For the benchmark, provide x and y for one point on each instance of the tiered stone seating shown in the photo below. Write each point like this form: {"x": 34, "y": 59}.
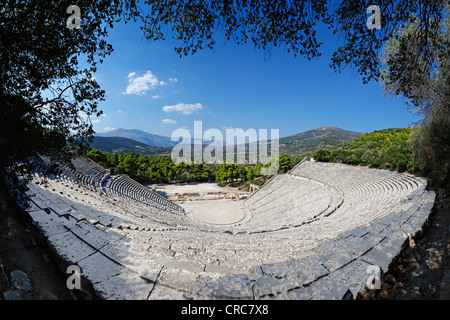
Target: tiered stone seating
{"x": 368, "y": 193}
{"x": 85, "y": 189}
{"x": 308, "y": 234}
{"x": 124, "y": 188}
{"x": 288, "y": 201}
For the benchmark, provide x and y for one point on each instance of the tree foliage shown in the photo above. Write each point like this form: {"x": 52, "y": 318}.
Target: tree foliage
{"x": 146, "y": 169}
{"x": 292, "y": 25}
{"x": 47, "y": 90}
{"x": 285, "y": 162}
{"x": 421, "y": 79}
{"x": 264, "y": 23}
{"x": 362, "y": 45}
{"x": 421, "y": 76}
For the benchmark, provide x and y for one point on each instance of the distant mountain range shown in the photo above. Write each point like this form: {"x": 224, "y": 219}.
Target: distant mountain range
{"x": 133, "y": 140}
{"x": 140, "y": 136}
{"x": 125, "y": 145}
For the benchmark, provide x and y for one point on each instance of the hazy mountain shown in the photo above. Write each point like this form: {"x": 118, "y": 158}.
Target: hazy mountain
{"x": 140, "y": 136}
{"x": 125, "y": 145}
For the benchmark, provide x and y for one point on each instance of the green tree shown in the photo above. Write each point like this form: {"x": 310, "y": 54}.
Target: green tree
{"x": 431, "y": 152}
{"x": 366, "y": 157}
{"x": 242, "y": 173}
{"x": 257, "y": 169}
{"x": 285, "y": 162}
{"x": 97, "y": 156}
{"x": 128, "y": 166}
{"x": 250, "y": 174}
{"x": 322, "y": 155}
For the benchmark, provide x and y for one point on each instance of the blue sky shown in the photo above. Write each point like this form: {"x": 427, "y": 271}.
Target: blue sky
{"x": 149, "y": 87}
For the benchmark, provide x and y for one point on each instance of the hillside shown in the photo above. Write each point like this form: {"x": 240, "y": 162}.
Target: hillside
{"x": 125, "y": 145}
{"x": 315, "y": 139}
{"x": 383, "y": 149}
{"x": 140, "y": 136}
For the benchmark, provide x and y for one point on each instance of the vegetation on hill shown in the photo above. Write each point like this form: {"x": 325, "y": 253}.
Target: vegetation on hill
{"x": 140, "y": 136}
{"x": 316, "y": 139}
{"x": 125, "y": 145}
{"x": 383, "y": 149}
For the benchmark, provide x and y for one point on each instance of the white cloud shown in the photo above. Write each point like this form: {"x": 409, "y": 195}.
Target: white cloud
{"x": 104, "y": 115}
{"x": 183, "y": 108}
{"x": 142, "y": 84}
{"x": 173, "y": 79}
{"x": 168, "y": 121}
{"x": 120, "y": 111}
{"x": 95, "y": 121}
{"x": 156, "y": 96}
{"x": 109, "y": 129}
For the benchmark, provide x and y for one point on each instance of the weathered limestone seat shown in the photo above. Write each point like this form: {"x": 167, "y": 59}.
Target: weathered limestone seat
{"x": 309, "y": 234}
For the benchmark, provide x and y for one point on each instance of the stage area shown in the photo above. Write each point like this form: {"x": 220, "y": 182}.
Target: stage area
{"x": 215, "y": 211}
{"x": 206, "y": 202}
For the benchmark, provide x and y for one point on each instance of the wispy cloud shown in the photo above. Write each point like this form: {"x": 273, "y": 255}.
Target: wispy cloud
{"x": 156, "y": 96}
{"x": 173, "y": 79}
{"x": 184, "y": 108}
{"x": 168, "y": 121}
{"x": 85, "y": 117}
{"x": 109, "y": 129}
{"x": 140, "y": 85}
{"x": 120, "y": 111}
